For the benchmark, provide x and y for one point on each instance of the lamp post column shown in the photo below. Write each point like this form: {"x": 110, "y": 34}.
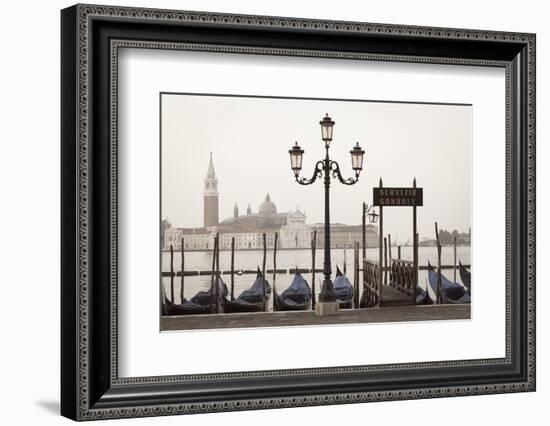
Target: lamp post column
{"x": 327, "y": 290}
{"x": 364, "y": 231}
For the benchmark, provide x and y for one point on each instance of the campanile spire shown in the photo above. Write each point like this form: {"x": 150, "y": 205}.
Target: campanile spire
{"x": 211, "y": 216}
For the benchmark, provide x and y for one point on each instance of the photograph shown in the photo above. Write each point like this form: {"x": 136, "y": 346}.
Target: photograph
{"x": 279, "y": 211}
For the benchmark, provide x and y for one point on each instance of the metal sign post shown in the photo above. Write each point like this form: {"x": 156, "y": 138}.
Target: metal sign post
{"x": 397, "y": 197}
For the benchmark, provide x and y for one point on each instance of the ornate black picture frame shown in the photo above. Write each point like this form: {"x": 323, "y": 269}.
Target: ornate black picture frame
{"x": 90, "y": 38}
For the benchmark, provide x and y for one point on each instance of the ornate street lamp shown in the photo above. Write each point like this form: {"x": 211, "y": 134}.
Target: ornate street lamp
{"x": 373, "y": 218}
{"x": 370, "y": 212}
{"x": 296, "y": 154}
{"x": 327, "y": 126}
{"x": 357, "y": 154}
{"x": 326, "y": 168}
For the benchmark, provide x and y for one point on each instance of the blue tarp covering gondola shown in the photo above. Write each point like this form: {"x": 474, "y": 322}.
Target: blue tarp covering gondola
{"x": 343, "y": 290}
{"x": 450, "y": 292}
{"x": 205, "y": 297}
{"x": 465, "y": 275}
{"x": 255, "y": 293}
{"x": 252, "y": 299}
{"x": 297, "y": 297}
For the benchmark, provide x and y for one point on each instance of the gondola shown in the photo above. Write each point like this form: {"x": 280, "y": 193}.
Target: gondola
{"x": 422, "y": 296}
{"x": 186, "y": 308}
{"x": 465, "y": 299}
{"x": 297, "y": 297}
{"x": 343, "y": 289}
{"x": 465, "y": 275}
{"x": 251, "y": 300}
{"x": 204, "y": 297}
{"x": 450, "y": 292}
{"x": 201, "y": 303}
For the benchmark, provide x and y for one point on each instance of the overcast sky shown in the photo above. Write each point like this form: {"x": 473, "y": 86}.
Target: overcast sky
{"x": 250, "y": 139}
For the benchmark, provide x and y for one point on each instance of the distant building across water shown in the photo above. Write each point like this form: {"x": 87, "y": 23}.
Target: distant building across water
{"x": 345, "y": 235}
{"x": 248, "y": 229}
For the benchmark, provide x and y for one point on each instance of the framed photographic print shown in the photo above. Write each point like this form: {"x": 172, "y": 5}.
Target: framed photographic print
{"x": 263, "y": 212}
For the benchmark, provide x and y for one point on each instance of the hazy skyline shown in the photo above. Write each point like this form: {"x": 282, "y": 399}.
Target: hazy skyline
{"x": 250, "y": 139}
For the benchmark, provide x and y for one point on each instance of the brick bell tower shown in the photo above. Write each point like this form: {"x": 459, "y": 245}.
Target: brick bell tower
{"x": 211, "y": 217}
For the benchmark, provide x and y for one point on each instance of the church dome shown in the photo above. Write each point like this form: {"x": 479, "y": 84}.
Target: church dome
{"x": 268, "y": 207}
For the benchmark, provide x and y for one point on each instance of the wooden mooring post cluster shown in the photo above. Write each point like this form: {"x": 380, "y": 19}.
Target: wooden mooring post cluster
{"x": 369, "y": 295}
{"x": 215, "y": 272}
{"x": 440, "y": 266}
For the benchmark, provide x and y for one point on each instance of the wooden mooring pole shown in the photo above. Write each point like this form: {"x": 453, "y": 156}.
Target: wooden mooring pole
{"x": 232, "y": 268}
{"x": 385, "y": 261}
{"x": 364, "y": 239}
{"x": 416, "y": 267}
{"x": 218, "y": 275}
{"x": 415, "y": 242}
{"x": 454, "y": 263}
{"x": 182, "y": 286}
{"x": 358, "y": 267}
{"x": 263, "y": 272}
{"x": 389, "y": 257}
{"x": 438, "y": 286}
{"x": 212, "y": 276}
{"x": 380, "y": 248}
{"x": 345, "y": 259}
{"x": 313, "y": 251}
{"x": 275, "y": 262}
{"x": 364, "y": 230}
{"x": 354, "y": 272}
{"x": 171, "y": 273}
{"x": 273, "y": 288}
